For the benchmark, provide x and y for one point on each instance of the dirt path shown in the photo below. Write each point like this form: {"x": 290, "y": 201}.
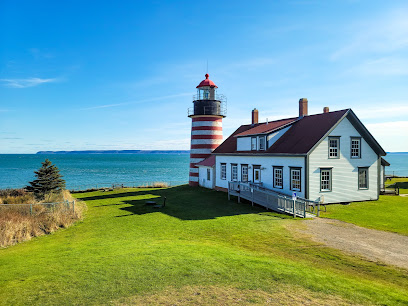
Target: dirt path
{"x": 389, "y": 248}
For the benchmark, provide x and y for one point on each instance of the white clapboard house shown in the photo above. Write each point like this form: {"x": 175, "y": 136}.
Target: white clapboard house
{"x": 329, "y": 157}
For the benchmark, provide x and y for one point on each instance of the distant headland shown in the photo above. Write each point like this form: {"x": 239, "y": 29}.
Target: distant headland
{"x": 117, "y": 152}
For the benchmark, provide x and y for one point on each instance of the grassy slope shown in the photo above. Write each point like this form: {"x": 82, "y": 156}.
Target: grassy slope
{"x": 124, "y": 249}
{"x": 389, "y": 213}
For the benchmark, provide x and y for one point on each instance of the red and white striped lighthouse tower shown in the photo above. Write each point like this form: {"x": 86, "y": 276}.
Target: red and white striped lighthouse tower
{"x": 206, "y": 129}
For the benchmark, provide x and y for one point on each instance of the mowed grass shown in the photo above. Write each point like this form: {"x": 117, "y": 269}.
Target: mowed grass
{"x": 389, "y": 213}
{"x": 200, "y": 248}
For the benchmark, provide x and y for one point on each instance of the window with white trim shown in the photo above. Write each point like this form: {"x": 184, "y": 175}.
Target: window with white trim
{"x": 253, "y": 144}
{"x": 244, "y": 173}
{"x": 363, "y": 178}
{"x": 262, "y": 143}
{"x": 223, "y": 171}
{"x": 295, "y": 179}
{"x": 234, "y": 172}
{"x": 334, "y": 146}
{"x": 355, "y": 147}
{"x": 278, "y": 177}
{"x": 208, "y": 174}
{"x": 325, "y": 179}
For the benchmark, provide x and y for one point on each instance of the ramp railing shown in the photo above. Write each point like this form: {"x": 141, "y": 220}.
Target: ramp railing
{"x": 270, "y": 199}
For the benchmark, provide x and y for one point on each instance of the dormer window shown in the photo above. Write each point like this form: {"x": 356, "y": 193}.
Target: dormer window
{"x": 334, "y": 147}
{"x": 262, "y": 143}
{"x": 253, "y": 144}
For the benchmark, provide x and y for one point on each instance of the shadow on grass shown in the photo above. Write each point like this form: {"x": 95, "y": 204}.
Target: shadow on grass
{"x": 183, "y": 202}
{"x": 402, "y": 185}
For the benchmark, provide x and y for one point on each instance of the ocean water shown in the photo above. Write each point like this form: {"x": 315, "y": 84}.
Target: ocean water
{"x": 82, "y": 171}
{"x": 399, "y": 164}
{"x": 89, "y": 170}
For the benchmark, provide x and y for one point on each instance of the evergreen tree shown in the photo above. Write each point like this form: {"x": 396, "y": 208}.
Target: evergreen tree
{"x": 48, "y": 180}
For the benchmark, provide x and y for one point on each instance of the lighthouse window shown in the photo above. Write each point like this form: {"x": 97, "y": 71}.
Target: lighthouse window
{"x": 208, "y": 175}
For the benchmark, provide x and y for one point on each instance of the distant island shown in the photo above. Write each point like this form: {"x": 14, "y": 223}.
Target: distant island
{"x": 117, "y": 152}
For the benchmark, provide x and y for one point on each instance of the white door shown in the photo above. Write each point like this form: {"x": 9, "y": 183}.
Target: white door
{"x": 257, "y": 174}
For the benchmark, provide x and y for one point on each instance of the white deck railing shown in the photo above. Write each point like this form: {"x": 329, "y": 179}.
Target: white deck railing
{"x": 273, "y": 200}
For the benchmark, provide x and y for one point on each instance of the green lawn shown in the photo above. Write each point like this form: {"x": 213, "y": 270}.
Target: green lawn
{"x": 125, "y": 251}
{"x": 389, "y": 213}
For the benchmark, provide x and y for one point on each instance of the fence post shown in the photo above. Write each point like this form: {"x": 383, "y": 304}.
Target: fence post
{"x": 252, "y": 190}
{"x": 31, "y": 209}
{"x": 73, "y": 205}
{"x": 318, "y": 209}
{"x": 239, "y": 193}
{"x": 294, "y": 213}
{"x": 229, "y": 186}
{"x": 304, "y": 209}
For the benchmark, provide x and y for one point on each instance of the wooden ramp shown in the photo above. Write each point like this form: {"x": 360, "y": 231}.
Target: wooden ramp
{"x": 273, "y": 200}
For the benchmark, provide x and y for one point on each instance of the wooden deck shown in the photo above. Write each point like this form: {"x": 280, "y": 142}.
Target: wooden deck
{"x": 273, "y": 200}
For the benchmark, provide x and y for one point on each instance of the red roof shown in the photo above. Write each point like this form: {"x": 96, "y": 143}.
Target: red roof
{"x": 263, "y": 128}
{"x": 299, "y": 139}
{"x": 207, "y": 82}
{"x": 208, "y": 162}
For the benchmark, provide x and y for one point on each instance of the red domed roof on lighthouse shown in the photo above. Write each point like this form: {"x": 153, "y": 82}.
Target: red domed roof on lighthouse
{"x": 207, "y": 82}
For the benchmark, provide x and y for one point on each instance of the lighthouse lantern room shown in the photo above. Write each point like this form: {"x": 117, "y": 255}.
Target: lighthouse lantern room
{"x": 206, "y": 128}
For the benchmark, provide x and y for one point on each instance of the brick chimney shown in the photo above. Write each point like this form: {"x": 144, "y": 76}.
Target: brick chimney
{"x": 302, "y": 107}
{"x": 325, "y": 109}
{"x": 255, "y": 116}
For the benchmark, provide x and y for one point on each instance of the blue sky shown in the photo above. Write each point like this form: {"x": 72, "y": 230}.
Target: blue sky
{"x": 84, "y": 75}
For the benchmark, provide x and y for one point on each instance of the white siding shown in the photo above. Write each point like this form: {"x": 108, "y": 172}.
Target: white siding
{"x": 243, "y": 143}
{"x": 382, "y": 175}
{"x": 344, "y": 169}
{"x": 272, "y": 138}
{"x": 266, "y": 163}
{"x": 202, "y": 178}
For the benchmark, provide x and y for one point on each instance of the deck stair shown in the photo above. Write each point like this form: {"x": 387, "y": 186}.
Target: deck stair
{"x": 273, "y": 200}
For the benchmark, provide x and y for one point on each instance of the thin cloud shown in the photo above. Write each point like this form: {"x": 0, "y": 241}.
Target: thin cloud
{"x": 386, "y": 66}
{"x": 28, "y": 82}
{"x": 137, "y": 102}
{"x": 391, "y": 111}
{"x": 391, "y": 135}
{"x": 377, "y": 35}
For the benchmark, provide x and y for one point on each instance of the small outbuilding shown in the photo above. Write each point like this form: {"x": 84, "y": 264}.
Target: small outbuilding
{"x": 206, "y": 171}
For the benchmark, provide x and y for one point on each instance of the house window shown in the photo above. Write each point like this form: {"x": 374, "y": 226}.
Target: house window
{"x": 334, "y": 147}
{"x": 295, "y": 179}
{"x": 363, "y": 178}
{"x": 244, "y": 173}
{"x": 208, "y": 174}
{"x": 253, "y": 143}
{"x": 262, "y": 143}
{"x": 257, "y": 174}
{"x": 234, "y": 172}
{"x": 325, "y": 179}
{"x": 223, "y": 171}
{"x": 355, "y": 147}
{"x": 278, "y": 177}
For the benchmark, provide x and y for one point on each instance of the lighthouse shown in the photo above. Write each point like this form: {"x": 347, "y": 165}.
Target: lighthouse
{"x": 206, "y": 128}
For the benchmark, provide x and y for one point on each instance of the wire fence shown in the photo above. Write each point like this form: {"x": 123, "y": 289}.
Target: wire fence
{"x": 38, "y": 208}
